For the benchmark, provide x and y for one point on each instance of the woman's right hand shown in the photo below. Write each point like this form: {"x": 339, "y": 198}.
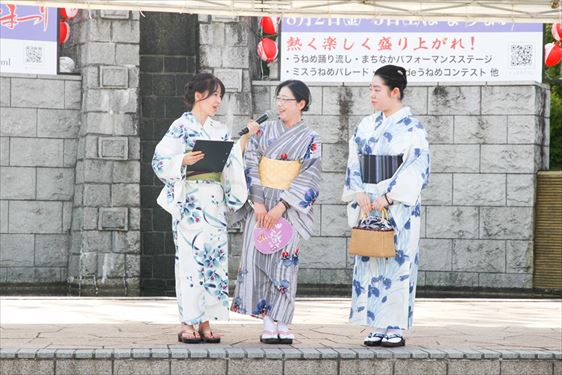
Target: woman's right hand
{"x": 364, "y": 202}
{"x": 260, "y": 211}
{"x": 192, "y": 157}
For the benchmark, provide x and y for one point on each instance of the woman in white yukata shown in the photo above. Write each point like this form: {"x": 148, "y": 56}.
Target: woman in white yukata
{"x": 383, "y": 289}
{"x": 198, "y": 204}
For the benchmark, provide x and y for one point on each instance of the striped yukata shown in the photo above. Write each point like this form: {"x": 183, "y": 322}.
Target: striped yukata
{"x": 267, "y": 284}
{"x": 384, "y": 289}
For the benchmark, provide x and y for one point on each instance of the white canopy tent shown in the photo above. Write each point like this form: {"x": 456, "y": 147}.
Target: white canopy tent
{"x": 536, "y": 11}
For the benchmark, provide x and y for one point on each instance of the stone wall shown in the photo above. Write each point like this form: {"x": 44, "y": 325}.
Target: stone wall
{"x": 39, "y": 125}
{"x": 487, "y": 142}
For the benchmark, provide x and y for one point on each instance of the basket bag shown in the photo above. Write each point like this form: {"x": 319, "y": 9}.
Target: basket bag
{"x": 373, "y": 237}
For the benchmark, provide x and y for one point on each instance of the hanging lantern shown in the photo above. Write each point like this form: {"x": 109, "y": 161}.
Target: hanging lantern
{"x": 557, "y": 31}
{"x": 552, "y": 54}
{"x": 269, "y": 25}
{"x": 64, "y": 32}
{"x": 267, "y": 50}
{"x": 68, "y": 13}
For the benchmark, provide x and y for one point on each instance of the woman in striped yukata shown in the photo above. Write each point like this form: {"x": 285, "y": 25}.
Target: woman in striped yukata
{"x": 388, "y": 167}
{"x": 266, "y": 284}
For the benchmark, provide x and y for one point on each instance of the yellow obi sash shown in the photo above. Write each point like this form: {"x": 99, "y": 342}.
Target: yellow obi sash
{"x": 211, "y": 176}
{"x": 278, "y": 174}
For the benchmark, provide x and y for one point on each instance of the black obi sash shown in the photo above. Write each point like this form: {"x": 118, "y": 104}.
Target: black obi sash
{"x": 375, "y": 168}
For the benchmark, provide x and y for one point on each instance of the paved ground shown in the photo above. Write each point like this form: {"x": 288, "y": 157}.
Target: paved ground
{"x": 464, "y": 324}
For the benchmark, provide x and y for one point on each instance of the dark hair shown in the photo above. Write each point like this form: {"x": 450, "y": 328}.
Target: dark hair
{"x": 393, "y": 76}
{"x": 299, "y": 89}
{"x": 201, "y": 83}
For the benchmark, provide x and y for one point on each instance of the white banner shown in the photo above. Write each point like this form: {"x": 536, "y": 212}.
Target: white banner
{"x": 344, "y": 50}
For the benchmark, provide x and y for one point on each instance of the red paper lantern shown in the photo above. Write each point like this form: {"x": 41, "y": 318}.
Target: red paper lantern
{"x": 267, "y": 50}
{"x": 64, "y": 32}
{"x": 68, "y": 13}
{"x": 557, "y": 31}
{"x": 552, "y": 54}
{"x": 269, "y": 25}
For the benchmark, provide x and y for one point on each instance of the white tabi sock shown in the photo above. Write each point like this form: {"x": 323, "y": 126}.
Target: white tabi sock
{"x": 269, "y": 324}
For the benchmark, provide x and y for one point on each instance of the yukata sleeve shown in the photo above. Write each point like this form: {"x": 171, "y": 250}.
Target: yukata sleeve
{"x": 168, "y": 155}
{"x": 305, "y": 188}
{"x": 353, "y": 183}
{"x": 252, "y": 158}
{"x": 233, "y": 179}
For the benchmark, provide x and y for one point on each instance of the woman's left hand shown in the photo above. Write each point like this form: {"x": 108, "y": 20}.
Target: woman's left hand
{"x": 380, "y": 203}
{"x": 273, "y": 215}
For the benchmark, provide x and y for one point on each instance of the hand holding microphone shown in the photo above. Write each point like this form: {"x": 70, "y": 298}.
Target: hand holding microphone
{"x": 252, "y": 124}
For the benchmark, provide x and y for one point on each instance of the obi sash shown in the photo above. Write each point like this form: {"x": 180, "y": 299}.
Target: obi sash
{"x": 376, "y": 168}
{"x": 278, "y": 174}
{"x": 204, "y": 176}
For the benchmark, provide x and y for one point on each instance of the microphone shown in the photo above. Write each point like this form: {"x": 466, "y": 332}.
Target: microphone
{"x": 259, "y": 120}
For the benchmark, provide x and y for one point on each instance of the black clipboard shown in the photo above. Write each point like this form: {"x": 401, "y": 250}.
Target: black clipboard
{"x": 216, "y": 155}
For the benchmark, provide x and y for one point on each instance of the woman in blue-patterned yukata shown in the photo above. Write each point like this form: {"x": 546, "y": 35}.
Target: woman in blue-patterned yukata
{"x": 383, "y": 289}
{"x": 283, "y": 174}
{"x": 198, "y": 203}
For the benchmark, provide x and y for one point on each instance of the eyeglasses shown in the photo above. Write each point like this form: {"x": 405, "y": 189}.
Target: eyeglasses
{"x": 283, "y": 100}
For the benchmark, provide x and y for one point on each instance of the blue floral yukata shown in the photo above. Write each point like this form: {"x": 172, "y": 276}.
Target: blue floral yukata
{"x": 199, "y": 225}
{"x": 384, "y": 289}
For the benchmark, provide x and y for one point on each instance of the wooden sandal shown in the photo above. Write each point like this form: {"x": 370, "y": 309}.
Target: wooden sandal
{"x": 209, "y": 337}
{"x": 189, "y": 336}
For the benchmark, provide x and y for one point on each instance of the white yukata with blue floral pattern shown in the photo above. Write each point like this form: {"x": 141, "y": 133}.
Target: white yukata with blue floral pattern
{"x": 199, "y": 225}
{"x": 384, "y": 289}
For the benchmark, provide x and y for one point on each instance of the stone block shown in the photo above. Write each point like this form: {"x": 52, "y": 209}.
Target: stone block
{"x": 126, "y": 171}
{"x": 114, "y": 76}
{"x": 334, "y": 157}
{"x": 439, "y": 191}
{"x": 254, "y": 366}
{"x": 98, "y": 53}
{"x": 72, "y": 94}
{"x": 416, "y": 99}
{"x": 114, "y": 14}
{"x": 452, "y": 222}
{"x": 125, "y": 32}
{"x": 435, "y": 255}
{"x": 480, "y": 129}
{"x": 111, "y": 123}
{"x": 505, "y": 280}
{"x": 97, "y": 171}
{"x": 27, "y": 366}
{"x": 232, "y": 79}
{"x": 126, "y": 242}
{"x": 332, "y": 129}
{"x": 479, "y": 256}
{"x": 212, "y": 34}
{"x": 83, "y": 366}
{"x": 198, "y": 366}
{"x": 439, "y": 128}
{"x": 331, "y": 188}
{"x": 345, "y": 101}
{"x": 479, "y": 189}
{"x": 311, "y": 366}
{"x": 97, "y": 195}
{"x": 70, "y": 152}
{"x": 110, "y": 266}
{"x": 323, "y": 252}
{"x": 66, "y": 215}
{"x": 211, "y": 57}
{"x": 18, "y": 122}
{"x": 17, "y": 183}
{"x": 55, "y": 183}
{"x": 48, "y": 274}
{"x": 56, "y": 123}
{"x": 35, "y": 217}
{"x": 21, "y": 274}
{"x": 513, "y": 367}
{"x": 115, "y": 100}
{"x": 127, "y": 54}
{"x": 309, "y": 276}
{"x": 36, "y": 152}
{"x": 95, "y": 30}
{"x": 337, "y": 277}
{"x": 508, "y": 159}
{"x": 31, "y": 93}
{"x": 519, "y": 256}
{"x": 133, "y": 264}
{"x": 420, "y": 366}
{"x": 462, "y": 367}
{"x": 3, "y": 216}
{"x": 455, "y": 158}
{"x": 454, "y": 100}
{"x": 520, "y": 189}
{"x": 236, "y": 34}
{"x": 134, "y": 149}
{"x": 334, "y": 221}
{"x": 175, "y": 64}
{"x": 115, "y": 148}
{"x": 5, "y": 91}
{"x": 525, "y": 130}
{"x": 225, "y": 18}
{"x": 51, "y": 250}
{"x": 125, "y": 195}
{"x": 515, "y": 100}
{"x": 17, "y": 250}
{"x": 4, "y": 151}
{"x": 509, "y": 223}
{"x": 113, "y": 218}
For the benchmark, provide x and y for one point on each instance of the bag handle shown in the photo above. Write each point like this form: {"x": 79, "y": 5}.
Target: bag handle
{"x": 384, "y": 215}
